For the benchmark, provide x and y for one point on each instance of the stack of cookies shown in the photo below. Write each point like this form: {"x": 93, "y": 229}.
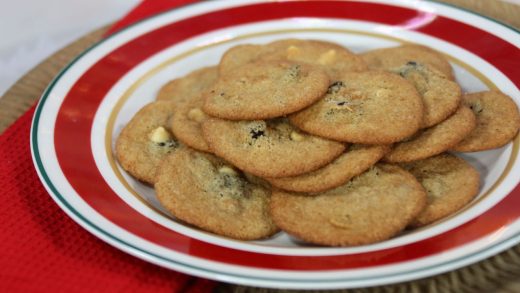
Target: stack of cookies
{"x": 304, "y": 136}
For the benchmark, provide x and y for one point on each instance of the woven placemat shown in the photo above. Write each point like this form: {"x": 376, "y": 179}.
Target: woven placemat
{"x": 500, "y": 273}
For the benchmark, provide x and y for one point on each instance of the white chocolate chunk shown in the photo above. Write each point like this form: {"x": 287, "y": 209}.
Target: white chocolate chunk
{"x": 292, "y": 52}
{"x": 227, "y": 170}
{"x": 381, "y": 93}
{"x": 296, "y": 136}
{"x": 196, "y": 115}
{"x": 160, "y": 135}
{"x": 327, "y": 58}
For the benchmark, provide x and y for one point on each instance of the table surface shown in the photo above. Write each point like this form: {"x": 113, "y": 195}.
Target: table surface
{"x": 18, "y": 98}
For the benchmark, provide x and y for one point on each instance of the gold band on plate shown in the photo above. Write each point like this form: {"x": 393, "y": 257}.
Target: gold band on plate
{"x": 147, "y": 75}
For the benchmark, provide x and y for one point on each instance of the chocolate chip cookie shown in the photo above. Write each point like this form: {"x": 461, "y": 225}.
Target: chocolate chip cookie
{"x": 272, "y": 148}
{"x": 498, "y": 121}
{"x": 209, "y": 193}
{"x": 146, "y": 140}
{"x": 264, "y": 90}
{"x": 371, "y": 107}
{"x": 372, "y": 207}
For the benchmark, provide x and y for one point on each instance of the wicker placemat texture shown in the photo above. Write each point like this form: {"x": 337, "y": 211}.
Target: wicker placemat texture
{"x": 500, "y": 273}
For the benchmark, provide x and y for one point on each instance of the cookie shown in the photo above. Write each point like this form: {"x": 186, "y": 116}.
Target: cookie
{"x": 265, "y": 90}
{"x": 207, "y": 192}
{"x": 372, "y": 107}
{"x": 193, "y": 84}
{"x": 272, "y": 148}
{"x": 240, "y": 55}
{"x": 498, "y": 121}
{"x": 441, "y": 96}
{"x": 450, "y": 183}
{"x": 186, "y": 123}
{"x": 388, "y": 58}
{"x": 146, "y": 140}
{"x": 372, "y": 207}
{"x": 331, "y": 57}
{"x": 434, "y": 140}
{"x": 353, "y": 162}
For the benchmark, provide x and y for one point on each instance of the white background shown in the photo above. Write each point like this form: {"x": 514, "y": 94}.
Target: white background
{"x": 31, "y": 30}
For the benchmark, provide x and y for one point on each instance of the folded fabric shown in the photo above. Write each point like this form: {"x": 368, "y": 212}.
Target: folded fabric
{"x": 43, "y": 250}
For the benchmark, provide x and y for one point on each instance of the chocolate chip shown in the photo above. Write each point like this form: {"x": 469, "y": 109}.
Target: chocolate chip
{"x": 335, "y": 87}
{"x": 341, "y": 103}
{"x": 412, "y": 63}
{"x": 477, "y": 109}
{"x": 256, "y": 133}
{"x": 294, "y": 71}
{"x": 170, "y": 144}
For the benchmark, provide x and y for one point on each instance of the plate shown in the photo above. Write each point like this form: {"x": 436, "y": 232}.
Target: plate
{"x": 88, "y": 103}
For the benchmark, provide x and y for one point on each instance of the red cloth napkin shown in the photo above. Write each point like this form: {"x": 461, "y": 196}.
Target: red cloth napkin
{"x": 43, "y": 250}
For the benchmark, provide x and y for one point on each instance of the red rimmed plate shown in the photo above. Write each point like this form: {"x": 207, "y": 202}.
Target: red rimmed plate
{"x": 86, "y": 106}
